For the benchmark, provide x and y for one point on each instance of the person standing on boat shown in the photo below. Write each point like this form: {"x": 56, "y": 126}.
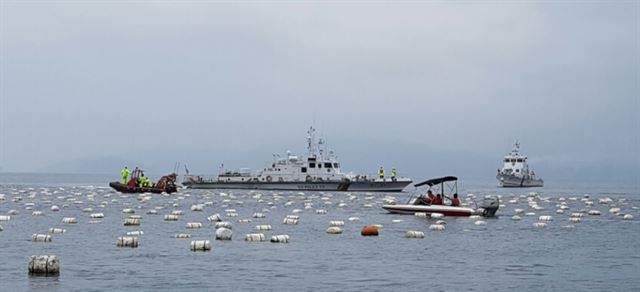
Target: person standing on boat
{"x": 125, "y": 175}
{"x": 381, "y": 173}
{"x": 394, "y": 174}
{"x": 430, "y": 198}
{"x": 455, "y": 202}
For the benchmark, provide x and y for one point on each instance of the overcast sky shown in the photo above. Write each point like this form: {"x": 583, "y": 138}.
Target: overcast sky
{"x": 428, "y": 87}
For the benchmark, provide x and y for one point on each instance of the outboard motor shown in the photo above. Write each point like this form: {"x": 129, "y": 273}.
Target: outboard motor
{"x": 489, "y": 207}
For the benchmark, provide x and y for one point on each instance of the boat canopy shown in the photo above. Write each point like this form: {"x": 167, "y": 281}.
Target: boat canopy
{"x": 436, "y": 181}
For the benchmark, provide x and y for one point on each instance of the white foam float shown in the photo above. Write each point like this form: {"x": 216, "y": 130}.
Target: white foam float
{"x": 441, "y": 222}
{"x": 545, "y": 218}
{"x": 420, "y": 214}
{"x": 436, "y": 215}
{"x": 127, "y": 241}
{"x": 283, "y": 238}
{"x": 12, "y": 212}
{"x": 263, "y": 227}
{"x": 96, "y": 215}
{"x": 55, "y": 208}
{"x": 321, "y": 211}
{"x": 575, "y": 219}
{"x": 516, "y": 218}
{"x": 194, "y": 225}
{"x": 258, "y": 215}
{"x": 223, "y": 224}
{"x": 518, "y": 211}
{"x": 530, "y": 214}
{"x": 171, "y": 217}
{"x": 559, "y": 211}
{"x": 183, "y": 235}
{"x": 135, "y": 233}
{"x": 614, "y": 210}
{"x": 128, "y": 211}
{"x": 255, "y": 237}
{"x": 44, "y": 265}
{"x": 475, "y": 217}
{"x": 594, "y": 212}
{"x": 200, "y": 245}
{"x": 414, "y": 234}
{"x": 87, "y": 210}
{"x": 540, "y": 225}
{"x": 437, "y": 227}
{"x": 41, "y": 238}
{"x": 57, "y": 230}
{"x": 5, "y": 218}
{"x": 131, "y": 222}
{"x": 480, "y": 222}
{"x": 244, "y": 221}
{"x": 627, "y": 217}
{"x": 152, "y": 212}
{"x": 197, "y": 207}
{"x": 354, "y": 219}
{"x": 336, "y": 223}
{"x": 69, "y": 220}
{"x": 334, "y": 230}
{"x": 290, "y": 221}
{"x": 232, "y": 215}
{"x": 223, "y": 234}
{"x": 36, "y": 213}
{"x": 214, "y": 218}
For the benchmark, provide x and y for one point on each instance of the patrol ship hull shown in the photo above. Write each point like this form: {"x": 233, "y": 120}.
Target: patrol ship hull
{"x": 512, "y": 181}
{"x": 345, "y": 186}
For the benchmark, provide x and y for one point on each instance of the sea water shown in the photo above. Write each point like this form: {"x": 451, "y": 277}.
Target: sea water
{"x": 599, "y": 253}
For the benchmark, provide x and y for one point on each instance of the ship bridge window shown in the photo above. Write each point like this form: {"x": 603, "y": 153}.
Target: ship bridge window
{"x": 304, "y": 169}
{"x": 327, "y": 165}
{"x": 319, "y": 165}
{"x": 312, "y": 165}
{"x": 506, "y": 160}
{"x": 517, "y": 170}
{"x": 513, "y": 160}
{"x": 336, "y": 165}
{"x": 519, "y": 159}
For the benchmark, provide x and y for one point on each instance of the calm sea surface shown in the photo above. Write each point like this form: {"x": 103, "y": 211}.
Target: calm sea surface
{"x": 601, "y": 253}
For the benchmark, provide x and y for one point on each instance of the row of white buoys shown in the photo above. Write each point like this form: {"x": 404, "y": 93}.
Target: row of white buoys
{"x": 255, "y": 237}
{"x": 223, "y": 233}
{"x": 41, "y": 238}
{"x": 47, "y": 265}
{"x": 127, "y": 241}
{"x": 414, "y": 234}
{"x": 200, "y": 245}
{"x": 280, "y": 238}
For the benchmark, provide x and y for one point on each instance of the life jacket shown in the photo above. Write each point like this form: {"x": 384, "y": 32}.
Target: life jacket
{"x": 455, "y": 202}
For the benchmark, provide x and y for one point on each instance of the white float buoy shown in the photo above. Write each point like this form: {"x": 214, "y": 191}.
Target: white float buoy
{"x": 127, "y": 241}
{"x": 171, "y": 217}
{"x": 57, "y": 230}
{"x": 614, "y": 210}
{"x": 196, "y": 207}
{"x": 594, "y": 212}
{"x": 223, "y": 224}
{"x": 575, "y": 219}
{"x": 480, "y": 222}
{"x": 321, "y": 211}
{"x": 69, "y": 220}
{"x": 540, "y": 225}
{"x": 420, "y": 214}
{"x": 334, "y": 230}
{"x": 41, "y": 238}
{"x": 194, "y": 225}
{"x": 280, "y": 238}
{"x": 55, "y": 208}
{"x": 44, "y": 265}
{"x": 200, "y": 245}
{"x": 183, "y": 235}
{"x": 414, "y": 234}
{"x": 258, "y": 215}
{"x": 214, "y": 218}
{"x": 131, "y": 222}
{"x": 152, "y": 212}
{"x": 354, "y": 219}
{"x": 290, "y": 221}
{"x": 128, "y": 211}
{"x": 515, "y": 218}
{"x": 436, "y": 215}
{"x": 263, "y": 227}
{"x": 136, "y": 233}
{"x": 96, "y": 215}
{"x": 437, "y": 227}
{"x": 5, "y": 218}
{"x": 627, "y": 217}
{"x": 255, "y": 237}
{"x": 336, "y": 223}
{"x": 223, "y": 233}
{"x": 545, "y": 218}
{"x": 518, "y": 211}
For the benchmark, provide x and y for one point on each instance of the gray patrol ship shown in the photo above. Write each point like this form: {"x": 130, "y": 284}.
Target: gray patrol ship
{"x": 318, "y": 170}
{"x": 515, "y": 172}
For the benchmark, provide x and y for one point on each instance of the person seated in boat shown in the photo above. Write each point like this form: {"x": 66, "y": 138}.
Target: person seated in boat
{"x": 455, "y": 202}
{"x": 429, "y": 198}
{"x": 437, "y": 200}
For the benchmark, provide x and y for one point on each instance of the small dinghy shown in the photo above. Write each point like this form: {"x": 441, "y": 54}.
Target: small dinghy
{"x": 429, "y": 205}
{"x": 166, "y": 184}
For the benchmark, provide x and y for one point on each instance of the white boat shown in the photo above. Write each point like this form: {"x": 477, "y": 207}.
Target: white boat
{"x": 515, "y": 171}
{"x": 421, "y": 204}
{"x": 318, "y": 170}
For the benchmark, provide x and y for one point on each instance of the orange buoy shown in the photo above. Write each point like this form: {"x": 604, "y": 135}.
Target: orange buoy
{"x": 369, "y": 231}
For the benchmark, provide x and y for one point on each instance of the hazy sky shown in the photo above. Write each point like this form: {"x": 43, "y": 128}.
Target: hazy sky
{"x": 429, "y": 87}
